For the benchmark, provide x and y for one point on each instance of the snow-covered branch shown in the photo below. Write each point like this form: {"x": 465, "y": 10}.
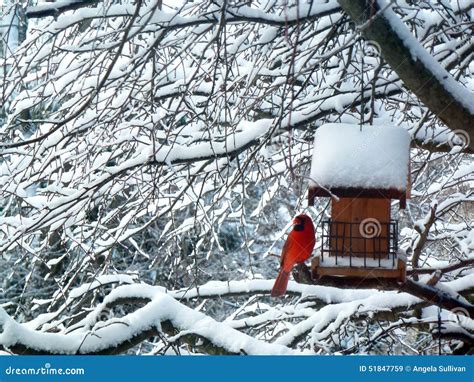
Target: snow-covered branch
{"x": 57, "y": 7}
{"x": 91, "y": 336}
{"x": 158, "y": 313}
{"x": 423, "y": 75}
{"x": 169, "y": 143}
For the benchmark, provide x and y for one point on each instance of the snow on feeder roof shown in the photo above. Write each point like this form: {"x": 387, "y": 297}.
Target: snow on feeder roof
{"x": 348, "y": 160}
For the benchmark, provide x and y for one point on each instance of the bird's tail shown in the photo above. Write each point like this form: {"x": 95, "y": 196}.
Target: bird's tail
{"x": 281, "y": 283}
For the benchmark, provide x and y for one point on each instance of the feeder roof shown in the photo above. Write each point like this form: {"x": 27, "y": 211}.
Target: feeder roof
{"x": 375, "y": 157}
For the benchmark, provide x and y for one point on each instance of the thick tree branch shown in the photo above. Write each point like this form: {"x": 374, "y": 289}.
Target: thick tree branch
{"x": 435, "y": 296}
{"x": 234, "y": 14}
{"x": 423, "y": 76}
{"x": 427, "y": 293}
{"x": 197, "y": 342}
{"x": 160, "y": 314}
{"x": 436, "y": 147}
{"x": 463, "y": 336}
{"x": 57, "y": 7}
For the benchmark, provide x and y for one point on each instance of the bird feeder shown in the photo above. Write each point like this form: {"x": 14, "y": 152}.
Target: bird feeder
{"x": 362, "y": 169}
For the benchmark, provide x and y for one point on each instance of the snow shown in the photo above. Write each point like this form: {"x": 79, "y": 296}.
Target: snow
{"x": 162, "y": 307}
{"x": 249, "y": 131}
{"x": 92, "y": 334}
{"x": 461, "y": 283}
{"x": 221, "y": 288}
{"x": 419, "y": 53}
{"x": 358, "y": 262}
{"x": 304, "y": 10}
{"x": 126, "y": 178}
{"x": 54, "y": 6}
{"x": 374, "y": 157}
{"x": 99, "y": 281}
{"x": 333, "y": 314}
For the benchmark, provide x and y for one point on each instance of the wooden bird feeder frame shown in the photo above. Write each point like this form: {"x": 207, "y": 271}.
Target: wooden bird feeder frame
{"x": 341, "y": 241}
{"x": 346, "y": 251}
{"x": 360, "y": 239}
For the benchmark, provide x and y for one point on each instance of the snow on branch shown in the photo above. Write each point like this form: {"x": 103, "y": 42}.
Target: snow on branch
{"x": 229, "y": 146}
{"x": 140, "y": 139}
{"x": 222, "y": 288}
{"x": 305, "y": 12}
{"x": 57, "y": 7}
{"x": 324, "y": 321}
{"x": 100, "y": 281}
{"x": 236, "y": 13}
{"x": 93, "y": 337}
{"x": 448, "y": 99}
{"x": 159, "y": 313}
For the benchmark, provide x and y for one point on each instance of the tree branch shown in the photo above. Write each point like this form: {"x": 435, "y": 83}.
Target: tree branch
{"x": 434, "y": 86}
{"x": 427, "y": 293}
{"x": 447, "y": 269}
{"x": 435, "y": 296}
{"x": 57, "y": 7}
{"x": 161, "y": 314}
{"x": 423, "y": 237}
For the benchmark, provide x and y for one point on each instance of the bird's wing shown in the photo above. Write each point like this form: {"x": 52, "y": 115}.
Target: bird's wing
{"x": 289, "y": 244}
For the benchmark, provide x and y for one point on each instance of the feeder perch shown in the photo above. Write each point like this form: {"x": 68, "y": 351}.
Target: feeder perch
{"x": 362, "y": 169}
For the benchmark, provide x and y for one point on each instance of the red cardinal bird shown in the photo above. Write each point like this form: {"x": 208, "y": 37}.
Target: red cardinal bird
{"x": 297, "y": 249}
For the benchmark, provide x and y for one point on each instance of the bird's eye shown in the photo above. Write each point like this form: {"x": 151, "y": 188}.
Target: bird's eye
{"x": 299, "y": 226}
